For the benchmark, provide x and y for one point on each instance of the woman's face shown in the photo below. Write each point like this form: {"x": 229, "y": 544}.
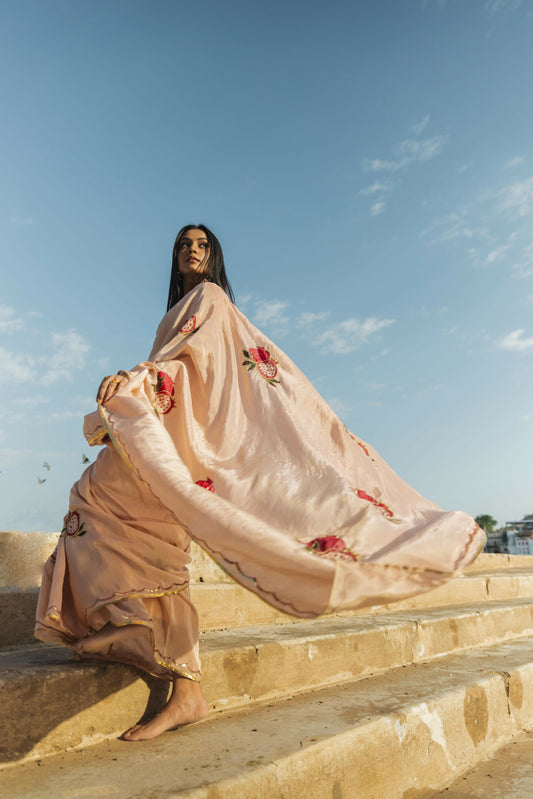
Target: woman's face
{"x": 193, "y": 252}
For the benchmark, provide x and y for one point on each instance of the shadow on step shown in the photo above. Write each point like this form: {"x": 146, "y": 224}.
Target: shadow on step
{"x": 50, "y": 704}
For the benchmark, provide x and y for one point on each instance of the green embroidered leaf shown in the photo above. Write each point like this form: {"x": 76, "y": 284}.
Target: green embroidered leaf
{"x": 81, "y": 533}
{"x": 246, "y": 354}
{"x": 251, "y": 366}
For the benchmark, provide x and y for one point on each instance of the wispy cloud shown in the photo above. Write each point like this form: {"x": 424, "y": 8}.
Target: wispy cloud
{"x": 408, "y": 152}
{"x": 9, "y": 322}
{"x": 350, "y": 334}
{"x": 309, "y": 319}
{"x": 70, "y": 350}
{"x": 419, "y": 127}
{"x": 464, "y": 167}
{"x": 14, "y": 368}
{"x": 378, "y": 186}
{"x": 515, "y": 341}
{"x": 272, "y": 315}
{"x": 405, "y": 153}
{"x": 496, "y": 6}
{"x": 517, "y": 198}
{"x": 495, "y": 254}
{"x": 514, "y": 162}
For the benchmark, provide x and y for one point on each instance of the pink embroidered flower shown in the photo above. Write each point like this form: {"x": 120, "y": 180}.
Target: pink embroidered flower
{"x": 72, "y": 525}
{"x": 164, "y": 393}
{"x": 189, "y": 326}
{"x": 330, "y": 545}
{"x": 381, "y": 505}
{"x": 259, "y": 358}
{"x": 207, "y": 484}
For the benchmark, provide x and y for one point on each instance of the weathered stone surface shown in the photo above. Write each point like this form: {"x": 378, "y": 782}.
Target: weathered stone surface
{"x": 402, "y": 734}
{"x": 68, "y": 703}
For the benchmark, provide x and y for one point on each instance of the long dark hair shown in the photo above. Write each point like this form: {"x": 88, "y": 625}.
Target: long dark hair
{"x": 215, "y": 271}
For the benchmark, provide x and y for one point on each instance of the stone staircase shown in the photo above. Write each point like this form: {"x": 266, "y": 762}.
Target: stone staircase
{"x": 393, "y": 702}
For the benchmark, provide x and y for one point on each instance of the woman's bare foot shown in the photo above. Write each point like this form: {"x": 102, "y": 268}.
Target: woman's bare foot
{"x": 104, "y": 638}
{"x": 186, "y": 705}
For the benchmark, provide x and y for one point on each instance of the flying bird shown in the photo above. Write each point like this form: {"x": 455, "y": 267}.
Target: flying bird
{"x": 41, "y": 481}
{"x": 46, "y": 466}
{"x": 84, "y": 458}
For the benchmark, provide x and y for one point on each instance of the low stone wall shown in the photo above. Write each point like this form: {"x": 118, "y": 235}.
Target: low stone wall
{"x": 22, "y": 556}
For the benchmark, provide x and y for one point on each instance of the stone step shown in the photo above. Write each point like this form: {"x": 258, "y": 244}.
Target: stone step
{"x": 67, "y": 704}
{"x": 406, "y": 733}
{"x": 222, "y": 605}
{"x": 507, "y": 774}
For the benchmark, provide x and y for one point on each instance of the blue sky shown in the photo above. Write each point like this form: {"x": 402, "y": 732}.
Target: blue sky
{"x": 368, "y": 168}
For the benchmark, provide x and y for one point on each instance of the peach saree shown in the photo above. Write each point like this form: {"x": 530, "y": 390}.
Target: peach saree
{"x": 219, "y": 437}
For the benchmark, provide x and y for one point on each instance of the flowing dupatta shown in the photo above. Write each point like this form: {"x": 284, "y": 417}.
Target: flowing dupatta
{"x": 232, "y": 439}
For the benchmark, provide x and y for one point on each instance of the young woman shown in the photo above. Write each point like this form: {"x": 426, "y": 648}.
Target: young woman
{"x": 219, "y": 437}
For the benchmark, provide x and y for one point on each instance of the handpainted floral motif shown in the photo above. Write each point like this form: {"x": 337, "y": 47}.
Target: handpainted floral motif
{"x": 386, "y": 511}
{"x": 164, "y": 393}
{"x": 72, "y": 527}
{"x": 189, "y": 326}
{"x": 259, "y": 358}
{"x": 207, "y": 484}
{"x": 332, "y": 546}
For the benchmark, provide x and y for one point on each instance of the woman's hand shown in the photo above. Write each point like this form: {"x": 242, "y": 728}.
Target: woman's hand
{"x": 110, "y": 385}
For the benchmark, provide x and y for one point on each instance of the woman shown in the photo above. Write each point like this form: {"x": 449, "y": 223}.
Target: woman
{"x": 219, "y": 437}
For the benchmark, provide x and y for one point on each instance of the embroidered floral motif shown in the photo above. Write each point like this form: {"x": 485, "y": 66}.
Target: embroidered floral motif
{"x": 259, "y": 358}
{"x": 164, "y": 393}
{"x": 332, "y": 546}
{"x": 72, "y": 527}
{"x": 189, "y": 326}
{"x": 386, "y": 511}
{"x": 358, "y": 442}
{"x": 207, "y": 484}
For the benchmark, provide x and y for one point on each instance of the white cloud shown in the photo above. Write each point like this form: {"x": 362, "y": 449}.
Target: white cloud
{"x": 495, "y": 254}
{"x": 377, "y": 186}
{"x": 494, "y": 6}
{"x": 69, "y": 356}
{"x": 308, "y": 318}
{"x": 378, "y": 165}
{"x": 515, "y": 341}
{"x": 419, "y": 127}
{"x": 424, "y": 150}
{"x": 8, "y": 321}
{"x": 350, "y": 334}
{"x": 464, "y": 167}
{"x": 377, "y": 208}
{"x": 14, "y": 368}
{"x": 517, "y": 198}
{"x": 271, "y": 315}
{"x": 514, "y": 162}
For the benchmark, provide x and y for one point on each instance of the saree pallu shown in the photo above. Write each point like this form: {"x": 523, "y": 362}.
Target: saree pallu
{"x": 219, "y": 437}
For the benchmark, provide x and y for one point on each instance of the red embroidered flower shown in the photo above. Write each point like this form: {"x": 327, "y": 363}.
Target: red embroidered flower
{"x": 360, "y": 443}
{"x": 381, "y": 505}
{"x": 208, "y": 484}
{"x": 259, "y": 358}
{"x": 363, "y": 447}
{"x": 330, "y": 545}
{"x": 72, "y": 525}
{"x": 189, "y": 326}
{"x": 164, "y": 393}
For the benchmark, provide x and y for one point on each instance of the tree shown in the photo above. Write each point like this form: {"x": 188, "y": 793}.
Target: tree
{"x": 486, "y": 522}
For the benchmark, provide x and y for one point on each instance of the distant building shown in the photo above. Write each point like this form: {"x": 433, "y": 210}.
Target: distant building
{"x": 514, "y": 538}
